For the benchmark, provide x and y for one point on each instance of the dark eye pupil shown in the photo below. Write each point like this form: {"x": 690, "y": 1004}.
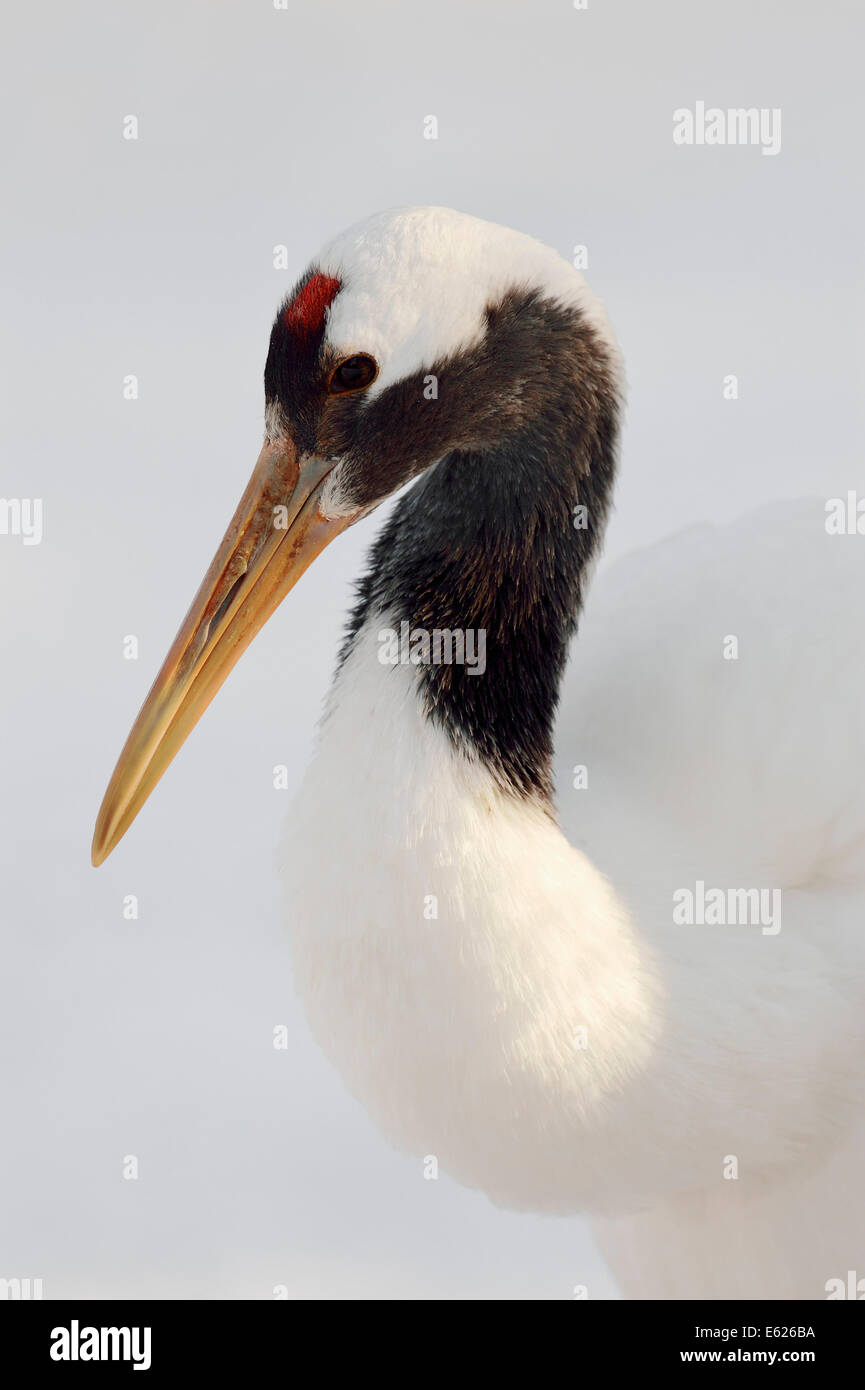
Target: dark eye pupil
{"x": 352, "y": 373}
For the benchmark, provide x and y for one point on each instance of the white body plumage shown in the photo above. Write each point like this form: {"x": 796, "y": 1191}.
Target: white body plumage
{"x": 460, "y": 1032}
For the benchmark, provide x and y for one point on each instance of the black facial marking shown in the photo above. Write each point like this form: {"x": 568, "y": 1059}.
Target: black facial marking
{"x": 295, "y": 377}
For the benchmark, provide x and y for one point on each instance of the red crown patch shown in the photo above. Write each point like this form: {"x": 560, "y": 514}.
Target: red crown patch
{"x": 305, "y": 314}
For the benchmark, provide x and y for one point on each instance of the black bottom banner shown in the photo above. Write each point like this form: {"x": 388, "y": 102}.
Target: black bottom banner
{"x": 210, "y": 1339}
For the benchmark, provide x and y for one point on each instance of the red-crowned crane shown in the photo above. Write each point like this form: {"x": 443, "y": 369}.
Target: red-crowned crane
{"x": 645, "y": 999}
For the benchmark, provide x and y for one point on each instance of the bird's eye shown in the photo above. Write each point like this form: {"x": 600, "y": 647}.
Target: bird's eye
{"x": 353, "y": 374}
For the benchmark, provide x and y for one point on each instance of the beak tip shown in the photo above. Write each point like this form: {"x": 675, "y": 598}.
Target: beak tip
{"x": 103, "y": 842}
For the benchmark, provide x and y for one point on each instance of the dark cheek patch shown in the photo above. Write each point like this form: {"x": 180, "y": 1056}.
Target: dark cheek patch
{"x": 305, "y": 314}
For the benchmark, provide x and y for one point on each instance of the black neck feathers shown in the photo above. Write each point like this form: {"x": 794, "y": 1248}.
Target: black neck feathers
{"x": 498, "y": 540}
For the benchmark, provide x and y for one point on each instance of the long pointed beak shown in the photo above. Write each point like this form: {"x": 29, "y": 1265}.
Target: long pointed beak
{"x": 273, "y": 537}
